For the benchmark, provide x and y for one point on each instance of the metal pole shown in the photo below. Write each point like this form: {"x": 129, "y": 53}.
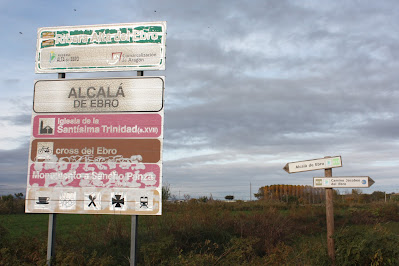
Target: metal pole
{"x": 51, "y": 238}
{"x": 330, "y": 219}
{"x": 134, "y": 224}
{"x": 133, "y": 240}
{"x": 52, "y": 223}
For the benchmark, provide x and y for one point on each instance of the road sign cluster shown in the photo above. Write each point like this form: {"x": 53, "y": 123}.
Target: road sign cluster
{"x": 96, "y": 144}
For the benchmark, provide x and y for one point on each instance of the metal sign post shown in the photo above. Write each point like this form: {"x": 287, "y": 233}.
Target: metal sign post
{"x": 134, "y": 224}
{"x": 51, "y": 238}
{"x": 133, "y": 240}
{"x": 52, "y": 222}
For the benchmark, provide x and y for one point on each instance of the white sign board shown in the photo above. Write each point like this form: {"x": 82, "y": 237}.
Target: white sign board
{"x": 139, "y": 94}
{"x": 109, "y": 47}
{"x": 315, "y": 164}
{"x": 343, "y": 182}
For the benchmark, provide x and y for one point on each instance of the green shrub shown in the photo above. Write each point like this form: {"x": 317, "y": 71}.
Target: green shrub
{"x": 366, "y": 246}
{"x": 238, "y": 251}
{"x": 10, "y": 204}
{"x": 3, "y": 234}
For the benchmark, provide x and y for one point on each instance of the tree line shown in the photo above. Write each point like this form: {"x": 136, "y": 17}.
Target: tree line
{"x": 291, "y": 193}
{"x": 309, "y": 194}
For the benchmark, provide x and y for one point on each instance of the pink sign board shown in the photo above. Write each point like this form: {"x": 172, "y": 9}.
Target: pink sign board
{"x": 98, "y": 126}
{"x": 103, "y": 175}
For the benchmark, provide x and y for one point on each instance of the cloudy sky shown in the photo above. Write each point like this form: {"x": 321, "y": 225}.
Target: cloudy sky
{"x": 250, "y": 86}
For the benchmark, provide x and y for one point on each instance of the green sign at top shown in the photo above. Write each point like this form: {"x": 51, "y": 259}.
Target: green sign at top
{"x": 113, "y": 47}
{"x": 149, "y": 34}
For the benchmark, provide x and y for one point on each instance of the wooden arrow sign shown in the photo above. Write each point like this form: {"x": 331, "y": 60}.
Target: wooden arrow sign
{"x": 315, "y": 164}
{"x": 343, "y": 182}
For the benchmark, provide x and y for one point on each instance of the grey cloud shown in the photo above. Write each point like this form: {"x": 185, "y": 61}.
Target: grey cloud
{"x": 19, "y": 120}
{"x": 271, "y": 78}
{"x": 14, "y": 169}
{"x": 10, "y": 157}
{"x": 8, "y": 82}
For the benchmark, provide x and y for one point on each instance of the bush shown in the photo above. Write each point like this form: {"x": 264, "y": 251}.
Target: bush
{"x": 365, "y": 246}
{"x": 10, "y": 204}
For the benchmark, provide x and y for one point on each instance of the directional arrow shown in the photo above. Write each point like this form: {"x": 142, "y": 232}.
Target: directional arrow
{"x": 371, "y": 181}
{"x": 286, "y": 168}
{"x": 315, "y": 164}
{"x": 343, "y": 182}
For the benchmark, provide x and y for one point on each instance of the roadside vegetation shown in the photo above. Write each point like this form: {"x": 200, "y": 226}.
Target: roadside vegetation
{"x": 208, "y": 232}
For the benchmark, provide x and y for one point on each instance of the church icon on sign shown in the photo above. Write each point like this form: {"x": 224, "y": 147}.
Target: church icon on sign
{"x": 46, "y": 126}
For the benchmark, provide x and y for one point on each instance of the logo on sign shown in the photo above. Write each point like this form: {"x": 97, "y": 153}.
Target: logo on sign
{"x": 43, "y": 200}
{"x": 68, "y": 201}
{"x": 116, "y": 57}
{"x": 118, "y": 202}
{"x": 92, "y": 201}
{"x": 44, "y": 149}
{"x": 144, "y": 202}
{"x": 336, "y": 161}
{"x": 364, "y": 182}
{"x": 46, "y": 126}
{"x": 52, "y": 56}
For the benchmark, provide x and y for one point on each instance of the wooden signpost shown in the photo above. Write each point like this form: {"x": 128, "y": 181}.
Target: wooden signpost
{"x": 329, "y": 182}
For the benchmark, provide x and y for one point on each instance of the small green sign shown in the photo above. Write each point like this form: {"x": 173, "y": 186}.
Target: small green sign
{"x": 336, "y": 161}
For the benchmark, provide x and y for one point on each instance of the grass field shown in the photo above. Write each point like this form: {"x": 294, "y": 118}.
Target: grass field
{"x": 213, "y": 233}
